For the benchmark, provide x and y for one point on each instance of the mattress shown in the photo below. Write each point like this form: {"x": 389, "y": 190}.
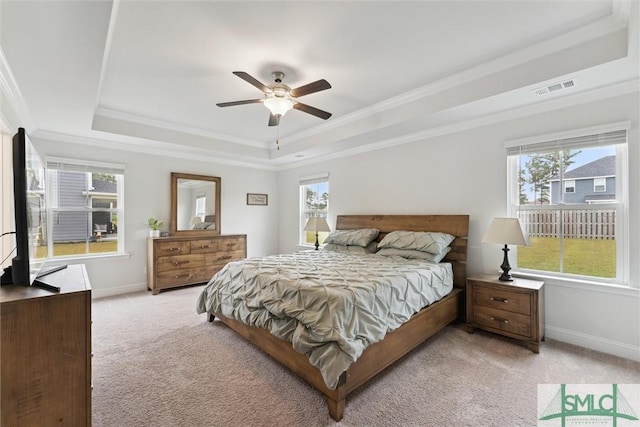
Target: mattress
{"x": 329, "y": 305}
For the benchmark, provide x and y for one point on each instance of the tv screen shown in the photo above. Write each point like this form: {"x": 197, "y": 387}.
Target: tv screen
{"x": 30, "y": 211}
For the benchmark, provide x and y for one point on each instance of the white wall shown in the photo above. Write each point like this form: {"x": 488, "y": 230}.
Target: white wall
{"x": 147, "y": 194}
{"x": 465, "y": 173}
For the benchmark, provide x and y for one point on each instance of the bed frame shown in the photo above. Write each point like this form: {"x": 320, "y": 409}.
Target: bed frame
{"x": 396, "y": 344}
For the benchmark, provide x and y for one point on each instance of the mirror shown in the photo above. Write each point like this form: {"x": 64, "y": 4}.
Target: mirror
{"x": 195, "y": 205}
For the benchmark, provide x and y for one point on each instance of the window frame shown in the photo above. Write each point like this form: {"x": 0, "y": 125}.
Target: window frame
{"x": 603, "y": 185}
{"x": 567, "y": 186}
{"x": 621, "y": 204}
{"x": 90, "y": 167}
{"x": 303, "y": 213}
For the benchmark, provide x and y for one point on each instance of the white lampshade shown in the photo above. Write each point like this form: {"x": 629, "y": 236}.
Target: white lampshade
{"x": 278, "y": 105}
{"x": 317, "y": 223}
{"x": 506, "y": 231}
{"x": 195, "y": 220}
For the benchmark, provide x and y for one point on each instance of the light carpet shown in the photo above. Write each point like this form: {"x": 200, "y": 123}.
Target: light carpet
{"x": 158, "y": 363}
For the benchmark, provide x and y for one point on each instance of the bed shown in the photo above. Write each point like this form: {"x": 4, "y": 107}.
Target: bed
{"x": 361, "y": 362}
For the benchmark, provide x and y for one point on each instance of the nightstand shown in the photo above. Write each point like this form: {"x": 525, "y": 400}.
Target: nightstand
{"x": 513, "y": 309}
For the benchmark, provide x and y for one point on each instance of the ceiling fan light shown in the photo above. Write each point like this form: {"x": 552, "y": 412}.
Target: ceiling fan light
{"x": 278, "y": 106}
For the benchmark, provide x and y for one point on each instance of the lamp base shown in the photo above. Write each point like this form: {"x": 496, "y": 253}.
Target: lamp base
{"x": 317, "y": 243}
{"x": 505, "y": 276}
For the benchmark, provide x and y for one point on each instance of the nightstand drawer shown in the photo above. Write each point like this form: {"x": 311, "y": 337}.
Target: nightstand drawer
{"x": 503, "y": 320}
{"x": 501, "y": 299}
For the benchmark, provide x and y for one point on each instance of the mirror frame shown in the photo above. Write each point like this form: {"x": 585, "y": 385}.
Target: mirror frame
{"x": 175, "y": 176}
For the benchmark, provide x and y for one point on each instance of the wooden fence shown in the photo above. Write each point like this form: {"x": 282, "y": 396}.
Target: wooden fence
{"x": 580, "y": 224}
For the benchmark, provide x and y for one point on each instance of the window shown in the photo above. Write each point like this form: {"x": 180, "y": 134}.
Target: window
{"x": 85, "y": 208}
{"x": 314, "y": 201}
{"x": 599, "y": 185}
{"x": 201, "y": 206}
{"x": 570, "y": 186}
{"x": 577, "y": 231}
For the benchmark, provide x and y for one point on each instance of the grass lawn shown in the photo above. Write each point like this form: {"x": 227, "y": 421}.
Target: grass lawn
{"x": 76, "y": 248}
{"x": 589, "y": 257}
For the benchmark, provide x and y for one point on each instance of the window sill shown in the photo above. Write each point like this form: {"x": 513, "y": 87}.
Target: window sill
{"x": 582, "y": 284}
{"x": 53, "y": 261}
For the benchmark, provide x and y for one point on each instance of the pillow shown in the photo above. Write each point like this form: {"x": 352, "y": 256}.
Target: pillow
{"x": 411, "y": 254}
{"x": 433, "y": 243}
{"x": 359, "y": 237}
{"x": 204, "y": 226}
{"x": 369, "y": 249}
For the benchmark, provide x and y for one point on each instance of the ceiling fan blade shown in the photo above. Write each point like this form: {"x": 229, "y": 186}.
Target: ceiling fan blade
{"x": 316, "y": 86}
{"x": 274, "y": 120}
{"x": 311, "y": 110}
{"x": 247, "y": 78}
{"x": 231, "y": 104}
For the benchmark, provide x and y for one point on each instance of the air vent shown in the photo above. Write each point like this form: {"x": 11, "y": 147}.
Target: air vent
{"x": 555, "y": 87}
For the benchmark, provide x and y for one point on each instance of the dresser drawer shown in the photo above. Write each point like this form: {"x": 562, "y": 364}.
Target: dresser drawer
{"x": 204, "y": 246}
{"x": 501, "y": 299}
{"x": 173, "y": 248}
{"x": 503, "y": 320}
{"x": 231, "y": 244}
{"x": 224, "y": 257}
{"x": 178, "y": 262}
{"x": 181, "y": 277}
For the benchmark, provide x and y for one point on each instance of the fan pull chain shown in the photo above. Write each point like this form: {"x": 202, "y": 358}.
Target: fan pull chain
{"x": 277, "y": 138}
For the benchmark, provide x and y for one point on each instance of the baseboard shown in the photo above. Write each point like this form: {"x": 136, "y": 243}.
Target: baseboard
{"x": 594, "y": 343}
{"x": 118, "y": 290}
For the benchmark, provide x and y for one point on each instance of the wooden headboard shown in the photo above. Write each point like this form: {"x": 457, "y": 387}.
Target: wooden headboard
{"x": 456, "y": 225}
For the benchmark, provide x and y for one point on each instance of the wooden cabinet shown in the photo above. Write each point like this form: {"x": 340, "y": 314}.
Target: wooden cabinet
{"x": 179, "y": 261}
{"x": 45, "y": 352}
{"x": 514, "y": 309}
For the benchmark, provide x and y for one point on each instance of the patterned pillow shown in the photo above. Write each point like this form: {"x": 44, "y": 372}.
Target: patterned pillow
{"x": 360, "y": 237}
{"x": 433, "y": 243}
{"x": 369, "y": 249}
{"x": 411, "y": 254}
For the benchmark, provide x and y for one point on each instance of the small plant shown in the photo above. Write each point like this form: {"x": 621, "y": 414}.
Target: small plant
{"x": 155, "y": 224}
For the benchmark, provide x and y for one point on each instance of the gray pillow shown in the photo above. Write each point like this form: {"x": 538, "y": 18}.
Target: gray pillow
{"x": 411, "y": 254}
{"x": 359, "y": 237}
{"x": 431, "y": 242}
{"x": 369, "y": 249}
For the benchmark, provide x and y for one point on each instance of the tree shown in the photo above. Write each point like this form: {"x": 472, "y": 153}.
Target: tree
{"x": 313, "y": 203}
{"x": 542, "y": 168}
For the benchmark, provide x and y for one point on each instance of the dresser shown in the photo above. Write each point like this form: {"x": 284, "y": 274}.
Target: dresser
{"x": 45, "y": 352}
{"x": 179, "y": 261}
{"x": 513, "y": 309}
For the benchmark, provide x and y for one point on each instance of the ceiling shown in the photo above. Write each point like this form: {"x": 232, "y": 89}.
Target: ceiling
{"x": 146, "y": 75}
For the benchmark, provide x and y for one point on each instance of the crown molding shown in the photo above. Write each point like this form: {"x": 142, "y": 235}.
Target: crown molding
{"x": 623, "y": 88}
{"x": 161, "y": 124}
{"x": 139, "y": 145}
{"x": 11, "y": 92}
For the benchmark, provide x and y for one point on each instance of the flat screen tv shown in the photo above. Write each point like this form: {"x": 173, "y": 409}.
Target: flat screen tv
{"x": 29, "y": 176}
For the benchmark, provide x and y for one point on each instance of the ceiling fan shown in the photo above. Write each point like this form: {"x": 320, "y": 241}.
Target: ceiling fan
{"x": 280, "y": 98}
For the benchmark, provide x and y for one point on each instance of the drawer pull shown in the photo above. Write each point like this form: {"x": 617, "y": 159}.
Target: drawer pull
{"x": 504, "y": 300}
{"x": 181, "y": 262}
{"x": 497, "y": 319}
{"x": 205, "y": 246}
{"x": 182, "y": 275}
{"x": 224, "y": 257}
{"x": 174, "y": 249}
{"x": 230, "y": 245}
